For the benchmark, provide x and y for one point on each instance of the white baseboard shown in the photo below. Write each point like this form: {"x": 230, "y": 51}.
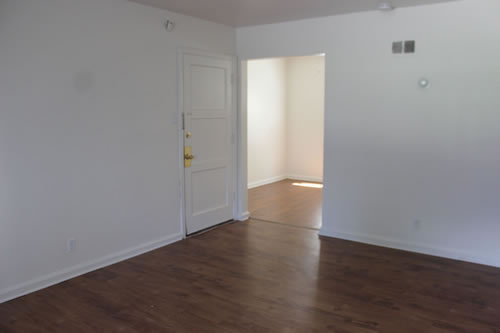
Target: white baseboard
{"x": 243, "y": 217}
{"x": 69, "y": 273}
{"x": 306, "y": 178}
{"x": 413, "y": 247}
{"x": 283, "y": 177}
{"x": 266, "y": 181}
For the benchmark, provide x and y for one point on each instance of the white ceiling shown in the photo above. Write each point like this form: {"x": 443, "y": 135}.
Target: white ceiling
{"x": 240, "y": 13}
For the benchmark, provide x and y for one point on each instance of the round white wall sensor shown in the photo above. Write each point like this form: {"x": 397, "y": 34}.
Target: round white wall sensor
{"x": 423, "y": 83}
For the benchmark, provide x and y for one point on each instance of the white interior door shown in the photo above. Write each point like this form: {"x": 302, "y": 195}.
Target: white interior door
{"x": 207, "y": 99}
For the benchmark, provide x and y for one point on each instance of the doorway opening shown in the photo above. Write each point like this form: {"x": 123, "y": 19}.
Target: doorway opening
{"x": 285, "y": 126}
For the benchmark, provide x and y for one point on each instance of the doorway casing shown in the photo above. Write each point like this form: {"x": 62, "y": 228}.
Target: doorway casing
{"x": 242, "y": 130}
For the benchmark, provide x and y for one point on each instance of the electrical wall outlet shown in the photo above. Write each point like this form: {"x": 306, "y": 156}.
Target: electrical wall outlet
{"x": 71, "y": 245}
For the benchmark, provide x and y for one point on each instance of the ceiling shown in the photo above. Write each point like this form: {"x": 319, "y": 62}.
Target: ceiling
{"x": 240, "y": 13}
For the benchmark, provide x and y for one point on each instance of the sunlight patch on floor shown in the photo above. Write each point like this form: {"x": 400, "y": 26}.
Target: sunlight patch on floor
{"x": 311, "y": 185}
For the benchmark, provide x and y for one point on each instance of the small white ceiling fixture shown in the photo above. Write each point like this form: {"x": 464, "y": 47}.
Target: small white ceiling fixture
{"x": 242, "y": 13}
{"x": 385, "y": 6}
{"x": 169, "y": 25}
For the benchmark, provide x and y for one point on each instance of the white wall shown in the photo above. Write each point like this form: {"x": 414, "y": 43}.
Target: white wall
{"x": 266, "y": 121}
{"x": 406, "y": 167}
{"x": 285, "y": 119}
{"x": 305, "y": 81}
{"x": 88, "y": 133}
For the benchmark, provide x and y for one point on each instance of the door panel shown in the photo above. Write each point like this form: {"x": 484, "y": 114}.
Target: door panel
{"x": 207, "y": 194}
{"x": 215, "y": 148}
{"x": 207, "y": 99}
{"x": 208, "y": 87}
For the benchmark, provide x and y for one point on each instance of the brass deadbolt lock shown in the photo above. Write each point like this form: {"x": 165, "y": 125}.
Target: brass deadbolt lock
{"x": 188, "y": 156}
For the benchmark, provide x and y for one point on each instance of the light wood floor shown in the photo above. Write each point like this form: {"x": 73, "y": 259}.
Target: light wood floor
{"x": 284, "y": 203}
{"x": 263, "y": 277}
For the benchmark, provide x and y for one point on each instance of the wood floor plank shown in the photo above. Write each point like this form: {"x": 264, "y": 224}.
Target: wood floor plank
{"x": 262, "y": 277}
{"x": 282, "y": 202}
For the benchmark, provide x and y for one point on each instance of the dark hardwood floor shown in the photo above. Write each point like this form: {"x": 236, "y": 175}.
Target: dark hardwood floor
{"x": 262, "y": 277}
{"x": 282, "y": 202}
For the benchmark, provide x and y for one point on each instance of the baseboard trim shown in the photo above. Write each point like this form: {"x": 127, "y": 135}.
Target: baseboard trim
{"x": 306, "y": 178}
{"x": 283, "y": 177}
{"x": 412, "y": 247}
{"x": 72, "y": 272}
{"x": 243, "y": 217}
{"x": 266, "y": 181}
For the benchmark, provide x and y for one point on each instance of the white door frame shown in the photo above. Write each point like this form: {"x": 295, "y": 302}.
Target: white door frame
{"x": 242, "y": 166}
{"x": 180, "y": 137}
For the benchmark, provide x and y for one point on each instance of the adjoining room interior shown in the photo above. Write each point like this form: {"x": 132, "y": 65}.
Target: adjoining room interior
{"x": 285, "y": 139}
{"x": 129, "y": 139}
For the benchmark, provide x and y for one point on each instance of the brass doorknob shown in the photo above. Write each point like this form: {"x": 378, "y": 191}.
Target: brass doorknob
{"x": 188, "y": 134}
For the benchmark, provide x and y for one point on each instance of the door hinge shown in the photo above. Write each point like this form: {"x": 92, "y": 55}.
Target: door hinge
{"x": 183, "y": 122}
